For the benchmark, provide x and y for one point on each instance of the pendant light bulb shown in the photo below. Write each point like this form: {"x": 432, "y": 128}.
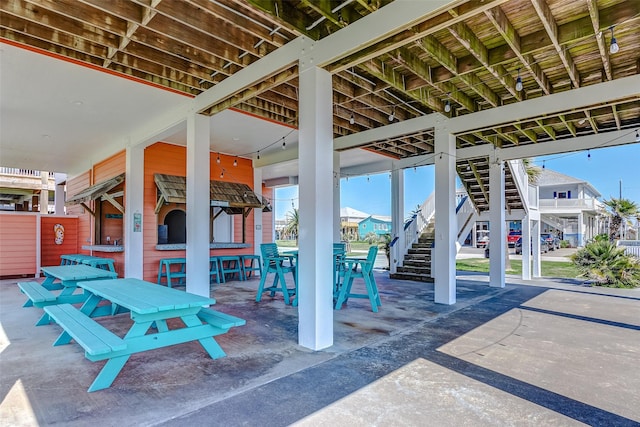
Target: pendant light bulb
{"x": 392, "y": 115}
{"x": 637, "y": 136}
{"x": 447, "y": 106}
{"x": 613, "y": 48}
{"x": 284, "y": 144}
{"x": 519, "y": 82}
{"x": 588, "y": 154}
{"x": 352, "y": 119}
{"x": 218, "y": 159}
{"x": 235, "y": 162}
{"x": 258, "y": 155}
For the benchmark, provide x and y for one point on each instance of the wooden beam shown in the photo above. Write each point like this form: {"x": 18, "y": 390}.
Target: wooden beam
{"x": 616, "y": 116}
{"x": 569, "y": 125}
{"x": 592, "y": 5}
{"x": 549, "y": 23}
{"x": 511, "y": 36}
{"x": 533, "y": 137}
{"x": 472, "y": 43}
{"x": 547, "y": 129}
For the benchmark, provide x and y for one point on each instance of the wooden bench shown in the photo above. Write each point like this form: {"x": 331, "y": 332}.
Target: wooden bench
{"x": 220, "y": 320}
{"x": 38, "y": 295}
{"x": 93, "y": 337}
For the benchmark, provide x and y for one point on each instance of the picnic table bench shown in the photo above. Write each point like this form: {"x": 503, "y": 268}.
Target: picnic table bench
{"x": 150, "y": 306}
{"x": 92, "y": 261}
{"x": 63, "y": 278}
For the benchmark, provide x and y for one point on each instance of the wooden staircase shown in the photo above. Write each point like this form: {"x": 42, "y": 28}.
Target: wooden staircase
{"x": 417, "y": 262}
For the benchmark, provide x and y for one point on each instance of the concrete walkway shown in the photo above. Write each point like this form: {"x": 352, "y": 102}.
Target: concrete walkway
{"x": 538, "y": 353}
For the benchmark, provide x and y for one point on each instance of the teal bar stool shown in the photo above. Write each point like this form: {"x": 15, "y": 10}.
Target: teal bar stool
{"x": 275, "y": 263}
{"x": 214, "y": 269}
{"x": 230, "y": 264}
{"x": 253, "y": 264}
{"x": 365, "y": 272}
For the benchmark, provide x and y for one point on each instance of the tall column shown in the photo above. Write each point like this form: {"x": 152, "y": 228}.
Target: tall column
{"x": 315, "y": 305}
{"x": 257, "y": 213}
{"x": 580, "y": 230}
{"x": 445, "y": 214}
{"x": 44, "y": 193}
{"x": 497, "y": 239}
{"x": 526, "y": 248}
{"x": 397, "y": 217}
{"x": 59, "y": 195}
{"x": 134, "y": 221}
{"x": 336, "y": 197}
{"x": 198, "y": 203}
{"x": 535, "y": 244}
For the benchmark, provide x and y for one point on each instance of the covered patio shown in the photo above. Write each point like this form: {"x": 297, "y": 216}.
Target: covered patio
{"x": 531, "y": 353}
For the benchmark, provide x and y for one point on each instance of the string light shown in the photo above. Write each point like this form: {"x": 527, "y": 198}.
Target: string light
{"x": 588, "y": 154}
{"x": 284, "y": 144}
{"x": 447, "y": 106}
{"x": 543, "y": 164}
{"x": 218, "y": 159}
{"x": 222, "y": 173}
{"x": 637, "y": 136}
{"x": 392, "y": 115}
{"x": 613, "y": 48}
{"x": 258, "y": 154}
{"x": 235, "y": 162}
{"x": 519, "y": 82}
{"x": 352, "y": 119}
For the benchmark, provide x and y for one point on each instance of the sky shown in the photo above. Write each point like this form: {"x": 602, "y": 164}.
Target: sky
{"x": 607, "y": 169}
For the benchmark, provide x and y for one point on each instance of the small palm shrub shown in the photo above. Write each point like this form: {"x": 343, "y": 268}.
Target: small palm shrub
{"x": 607, "y": 265}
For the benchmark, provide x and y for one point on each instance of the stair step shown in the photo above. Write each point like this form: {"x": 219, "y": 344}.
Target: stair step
{"x": 412, "y": 277}
{"x": 420, "y": 251}
{"x": 415, "y": 270}
{"x": 417, "y": 262}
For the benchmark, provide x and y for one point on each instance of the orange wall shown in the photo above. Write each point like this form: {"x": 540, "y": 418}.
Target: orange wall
{"x": 49, "y": 251}
{"x": 18, "y": 243}
{"x": 172, "y": 160}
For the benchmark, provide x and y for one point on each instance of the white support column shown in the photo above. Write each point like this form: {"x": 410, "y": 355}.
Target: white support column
{"x": 526, "y": 248}
{"x": 336, "y": 197}
{"x": 257, "y": 213}
{"x": 397, "y": 216}
{"x": 445, "y": 214}
{"x": 580, "y": 230}
{"x": 133, "y": 234}
{"x": 497, "y": 239}
{"x": 315, "y": 275}
{"x": 44, "y": 193}
{"x": 535, "y": 243}
{"x": 59, "y": 195}
{"x": 198, "y": 203}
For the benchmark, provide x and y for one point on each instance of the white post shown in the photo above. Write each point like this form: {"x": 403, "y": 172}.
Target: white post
{"x": 257, "y": 213}
{"x": 397, "y": 217}
{"x": 315, "y": 311}
{"x": 198, "y": 203}
{"x": 526, "y": 247}
{"x": 445, "y": 214}
{"x": 44, "y": 193}
{"x": 497, "y": 239}
{"x": 336, "y": 197}
{"x": 59, "y": 196}
{"x": 133, "y": 233}
{"x": 535, "y": 239}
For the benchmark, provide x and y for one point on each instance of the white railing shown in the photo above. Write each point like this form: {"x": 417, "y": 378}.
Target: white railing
{"x": 20, "y": 172}
{"x": 466, "y": 219}
{"x": 520, "y": 177}
{"x": 590, "y": 204}
{"x": 419, "y": 222}
{"x": 534, "y": 197}
{"x": 631, "y": 247}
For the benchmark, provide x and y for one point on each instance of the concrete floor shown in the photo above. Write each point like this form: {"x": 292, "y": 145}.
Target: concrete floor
{"x": 541, "y": 353}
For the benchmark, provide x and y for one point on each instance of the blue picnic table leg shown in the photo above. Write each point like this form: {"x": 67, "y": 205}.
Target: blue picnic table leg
{"x": 49, "y": 285}
{"x": 209, "y": 344}
{"x": 109, "y": 372}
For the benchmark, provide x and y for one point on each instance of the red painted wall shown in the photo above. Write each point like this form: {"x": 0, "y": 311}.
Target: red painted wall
{"x": 18, "y": 244}
{"x": 49, "y": 251}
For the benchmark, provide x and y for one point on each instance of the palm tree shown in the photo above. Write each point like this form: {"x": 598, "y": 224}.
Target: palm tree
{"x": 293, "y": 223}
{"x": 621, "y": 210}
{"x": 533, "y": 172}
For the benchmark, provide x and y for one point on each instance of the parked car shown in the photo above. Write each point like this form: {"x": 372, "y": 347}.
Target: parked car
{"x": 513, "y": 237}
{"x": 544, "y": 247}
{"x": 483, "y": 240}
{"x": 552, "y": 240}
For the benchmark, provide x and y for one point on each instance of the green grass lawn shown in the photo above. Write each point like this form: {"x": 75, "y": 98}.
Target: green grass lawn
{"x": 549, "y": 268}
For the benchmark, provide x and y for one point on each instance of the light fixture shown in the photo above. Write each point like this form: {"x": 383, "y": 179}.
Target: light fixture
{"x": 588, "y": 154}
{"x": 447, "y": 106}
{"x": 519, "y": 82}
{"x": 352, "y": 119}
{"x": 613, "y": 48}
{"x": 218, "y": 159}
{"x": 543, "y": 164}
{"x": 258, "y": 154}
{"x": 222, "y": 173}
{"x": 392, "y": 115}
{"x": 582, "y": 121}
{"x": 637, "y": 136}
{"x": 235, "y": 162}
{"x": 284, "y": 144}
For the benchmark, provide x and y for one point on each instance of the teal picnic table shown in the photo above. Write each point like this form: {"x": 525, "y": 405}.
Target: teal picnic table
{"x": 63, "y": 278}
{"x": 150, "y": 307}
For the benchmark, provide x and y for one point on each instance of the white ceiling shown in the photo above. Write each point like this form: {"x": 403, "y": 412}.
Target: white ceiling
{"x": 60, "y": 116}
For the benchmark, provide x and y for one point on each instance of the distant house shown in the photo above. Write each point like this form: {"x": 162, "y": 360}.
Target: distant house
{"x": 349, "y": 220}
{"x": 569, "y": 207}
{"x": 377, "y": 224}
